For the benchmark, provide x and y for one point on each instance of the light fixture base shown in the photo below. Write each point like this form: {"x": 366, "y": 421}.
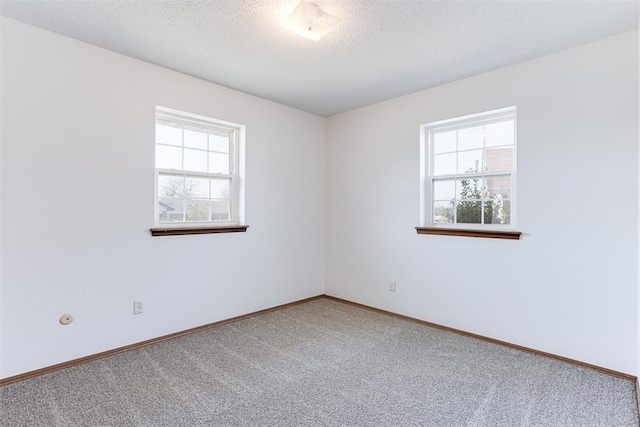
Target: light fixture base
{"x": 309, "y": 21}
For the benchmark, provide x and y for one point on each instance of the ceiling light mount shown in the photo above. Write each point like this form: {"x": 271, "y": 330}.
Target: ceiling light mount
{"x": 310, "y": 21}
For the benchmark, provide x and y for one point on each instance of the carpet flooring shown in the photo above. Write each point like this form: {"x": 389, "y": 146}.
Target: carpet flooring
{"x": 322, "y": 363}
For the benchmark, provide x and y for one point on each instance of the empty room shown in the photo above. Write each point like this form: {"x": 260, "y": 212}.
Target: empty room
{"x": 319, "y": 213}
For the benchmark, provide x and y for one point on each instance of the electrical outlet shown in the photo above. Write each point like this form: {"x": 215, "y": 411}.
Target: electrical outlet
{"x": 137, "y": 307}
{"x": 392, "y": 286}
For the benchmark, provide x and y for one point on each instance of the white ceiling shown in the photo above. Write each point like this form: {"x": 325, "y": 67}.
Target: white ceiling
{"x": 381, "y": 48}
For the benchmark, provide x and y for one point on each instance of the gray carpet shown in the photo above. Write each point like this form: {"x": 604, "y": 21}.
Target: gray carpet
{"x": 323, "y": 363}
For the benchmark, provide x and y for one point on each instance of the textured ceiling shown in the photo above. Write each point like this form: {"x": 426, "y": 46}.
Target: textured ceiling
{"x": 381, "y": 48}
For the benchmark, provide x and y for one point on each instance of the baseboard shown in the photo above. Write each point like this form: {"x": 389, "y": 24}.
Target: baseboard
{"x": 74, "y": 362}
{"x": 494, "y": 341}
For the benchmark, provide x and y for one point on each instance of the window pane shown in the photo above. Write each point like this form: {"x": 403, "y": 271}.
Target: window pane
{"x": 220, "y": 188}
{"x": 442, "y": 212}
{"x": 498, "y": 187}
{"x": 169, "y": 135}
{"x": 471, "y": 168}
{"x": 220, "y": 210}
{"x": 195, "y": 139}
{"x": 444, "y": 142}
{"x": 197, "y": 210}
{"x": 469, "y": 188}
{"x": 444, "y": 164}
{"x": 471, "y": 138}
{"x": 470, "y": 161}
{"x": 492, "y": 211}
{"x": 218, "y": 163}
{"x": 497, "y": 212}
{"x": 444, "y": 189}
{"x": 499, "y": 134}
{"x": 195, "y": 160}
{"x": 506, "y": 212}
{"x": 171, "y": 186}
{"x": 468, "y": 212}
{"x": 168, "y": 157}
{"x": 499, "y": 159}
{"x": 170, "y": 209}
{"x": 197, "y": 188}
{"x": 219, "y": 143}
{"x": 195, "y": 168}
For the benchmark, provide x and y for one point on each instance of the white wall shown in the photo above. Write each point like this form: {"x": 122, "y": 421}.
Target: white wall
{"x": 77, "y": 203}
{"x": 1, "y": 121}
{"x": 638, "y": 295}
{"x": 569, "y": 287}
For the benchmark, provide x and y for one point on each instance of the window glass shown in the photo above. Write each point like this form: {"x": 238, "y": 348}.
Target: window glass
{"x": 195, "y": 160}
{"x": 196, "y": 169}
{"x": 471, "y": 169}
{"x": 499, "y": 134}
{"x": 444, "y": 142}
{"x": 470, "y": 161}
{"x": 218, "y": 163}
{"x": 169, "y": 135}
{"x": 445, "y": 164}
{"x": 168, "y": 157}
{"x": 471, "y": 138}
{"x": 219, "y": 143}
{"x": 194, "y": 139}
{"x": 444, "y": 189}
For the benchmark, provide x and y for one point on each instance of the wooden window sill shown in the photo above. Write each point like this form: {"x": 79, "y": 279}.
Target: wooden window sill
{"x": 206, "y": 229}
{"x": 491, "y": 234}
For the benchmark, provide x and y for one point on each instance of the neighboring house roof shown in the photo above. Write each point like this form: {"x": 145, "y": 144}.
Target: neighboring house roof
{"x": 166, "y": 206}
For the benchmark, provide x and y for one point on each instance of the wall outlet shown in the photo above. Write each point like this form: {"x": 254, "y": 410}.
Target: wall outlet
{"x": 392, "y": 286}
{"x": 137, "y": 307}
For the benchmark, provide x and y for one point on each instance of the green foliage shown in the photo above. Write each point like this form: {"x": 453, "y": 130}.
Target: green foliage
{"x": 196, "y": 212}
{"x": 469, "y": 206}
{"x": 469, "y": 210}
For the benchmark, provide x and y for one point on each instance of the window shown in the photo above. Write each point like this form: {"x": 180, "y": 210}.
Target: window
{"x": 468, "y": 171}
{"x": 197, "y": 170}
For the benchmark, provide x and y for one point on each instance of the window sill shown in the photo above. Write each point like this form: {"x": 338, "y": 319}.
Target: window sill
{"x": 465, "y": 232}
{"x": 203, "y": 229}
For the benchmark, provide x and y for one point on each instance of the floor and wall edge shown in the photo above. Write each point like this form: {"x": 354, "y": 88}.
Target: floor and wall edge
{"x": 74, "y": 362}
{"x": 492, "y": 340}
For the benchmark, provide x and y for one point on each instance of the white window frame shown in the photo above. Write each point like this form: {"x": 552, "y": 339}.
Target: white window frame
{"x": 427, "y": 177}
{"x": 236, "y": 166}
